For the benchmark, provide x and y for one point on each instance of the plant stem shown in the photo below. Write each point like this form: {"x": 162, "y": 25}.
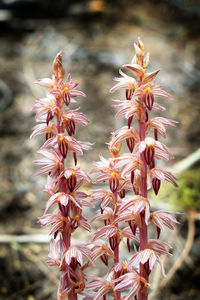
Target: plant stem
{"x": 143, "y": 229}
{"x": 116, "y": 251}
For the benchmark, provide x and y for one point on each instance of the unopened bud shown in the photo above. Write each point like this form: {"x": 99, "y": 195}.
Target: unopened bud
{"x": 149, "y": 100}
{"x": 130, "y": 119}
{"x": 104, "y": 259}
{"x": 49, "y": 117}
{"x": 113, "y": 242}
{"x": 132, "y": 176}
{"x": 66, "y": 97}
{"x": 158, "y": 231}
{"x": 63, "y": 146}
{"x": 70, "y": 127}
{"x": 114, "y": 181}
{"x": 75, "y": 158}
{"x": 146, "y": 61}
{"x": 156, "y": 134}
{"x": 122, "y": 193}
{"x": 149, "y": 154}
{"x": 129, "y": 94}
{"x": 71, "y": 182}
{"x": 128, "y": 245}
{"x": 156, "y": 185}
{"x": 130, "y": 143}
{"x": 58, "y": 69}
{"x": 132, "y": 226}
{"x": 146, "y": 267}
{"x": 115, "y": 150}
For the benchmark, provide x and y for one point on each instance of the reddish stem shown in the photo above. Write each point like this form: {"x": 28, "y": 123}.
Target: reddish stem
{"x": 116, "y": 251}
{"x": 143, "y": 229}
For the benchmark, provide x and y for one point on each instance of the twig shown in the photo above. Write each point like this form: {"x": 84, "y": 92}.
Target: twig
{"x": 188, "y": 245}
{"x": 26, "y": 238}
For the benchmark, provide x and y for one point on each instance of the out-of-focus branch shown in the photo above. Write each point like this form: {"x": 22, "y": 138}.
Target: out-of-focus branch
{"x": 188, "y": 245}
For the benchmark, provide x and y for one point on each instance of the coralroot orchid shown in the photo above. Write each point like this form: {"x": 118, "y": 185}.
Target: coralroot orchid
{"x": 134, "y": 172}
{"x": 125, "y": 208}
{"x": 58, "y": 123}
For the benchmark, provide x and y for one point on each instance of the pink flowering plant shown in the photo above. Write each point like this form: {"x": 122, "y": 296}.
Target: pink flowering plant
{"x": 125, "y": 208}
{"x": 58, "y": 122}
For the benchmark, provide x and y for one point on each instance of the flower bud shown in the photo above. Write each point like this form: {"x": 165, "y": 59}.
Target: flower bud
{"x": 75, "y": 222}
{"x": 128, "y": 245}
{"x": 132, "y": 176}
{"x": 132, "y": 226}
{"x": 149, "y": 153}
{"x": 130, "y": 143}
{"x": 71, "y": 181}
{"x": 130, "y": 119}
{"x": 129, "y": 94}
{"x": 156, "y": 185}
{"x": 104, "y": 259}
{"x": 70, "y": 127}
{"x": 149, "y": 100}
{"x": 158, "y": 231}
{"x": 115, "y": 150}
{"x": 66, "y": 96}
{"x": 75, "y": 158}
{"x": 58, "y": 69}
{"x": 122, "y": 193}
{"x": 49, "y": 117}
{"x": 114, "y": 181}
{"x": 63, "y": 146}
{"x": 113, "y": 242}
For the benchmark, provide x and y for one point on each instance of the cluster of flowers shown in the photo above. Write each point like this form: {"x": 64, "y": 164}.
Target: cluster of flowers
{"x": 59, "y": 123}
{"x": 124, "y": 216}
{"x": 134, "y": 171}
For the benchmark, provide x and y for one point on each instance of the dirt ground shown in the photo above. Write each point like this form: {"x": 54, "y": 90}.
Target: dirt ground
{"x": 95, "y": 44}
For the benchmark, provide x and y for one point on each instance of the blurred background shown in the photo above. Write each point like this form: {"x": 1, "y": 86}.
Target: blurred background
{"x": 96, "y": 38}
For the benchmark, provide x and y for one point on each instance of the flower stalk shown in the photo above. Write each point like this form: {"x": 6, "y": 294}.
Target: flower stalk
{"x": 59, "y": 123}
{"x": 130, "y": 176}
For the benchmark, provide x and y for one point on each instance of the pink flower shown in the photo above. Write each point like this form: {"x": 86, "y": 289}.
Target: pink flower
{"x": 72, "y": 117}
{"x": 130, "y": 135}
{"x": 103, "y": 251}
{"x": 107, "y": 215}
{"x": 129, "y": 109}
{"x": 60, "y": 197}
{"x": 108, "y": 172}
{"x": 102, "y": 285}
{"x": 163, "y": 219}
{"x": 67, "y": 144}
{"x": 139, "y": 72}
{"x": 75, "y": 255}
{"x": 130, "y": 280}
{"x": 149, "y": 256}
{"x": 103, "y": 195}
{"x": 46, "y": 106}
{"x": 153, "y": 149}
{"x": 138, "y": 204}
{"x": 147, "y": 92}
{"x": 67, "y": 90}
{"x": 50, "y": 130}
{"x": 53, "y": 162}
{"x": 56, "y": 252}
{"x": 158, "y": 175}
{"x": 51, "y": 186}
{"x": 129, "y": 162}
{"x": 159, "y": 124}
{"x": 127, "y": 82}
{"x": 58, "y": 222}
